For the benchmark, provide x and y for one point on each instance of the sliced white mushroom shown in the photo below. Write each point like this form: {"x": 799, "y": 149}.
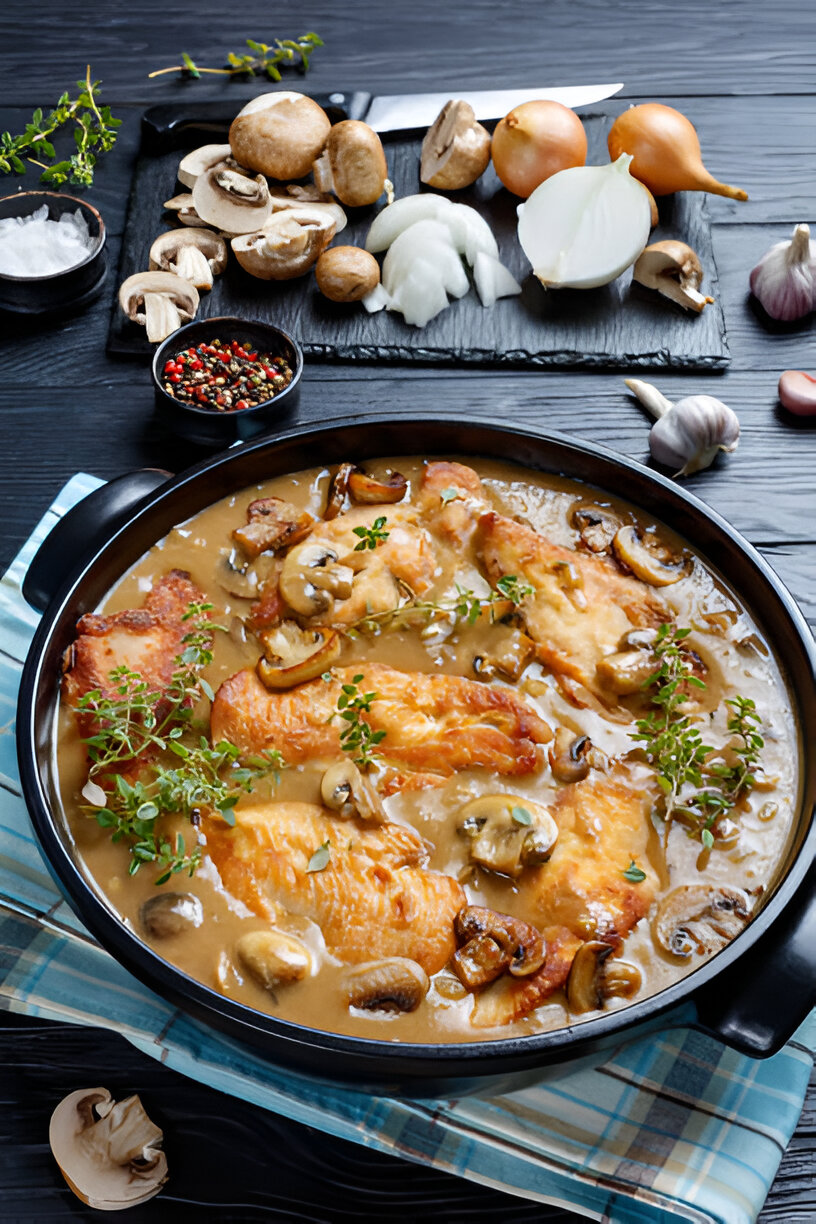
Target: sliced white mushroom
{"x": 159, "y": 301}
{"x": 323, "y": 204}
{"x": 650, "y": 562}
{"x": 675, "y": 271}
{"x": 293, "y": 655}
{"x": 193, "y": 164}
{"x": 171, "y": 913}
{"x": 347, "y": 791}
{"x": 197, "y": 255}
{"x": 491, "y": 943}
{"x": 394, "y": 984}
{"x": 507, "y": 832}
{"x": 108, "y": 1152}
{"x": 456, "y": 149}
{"x": 595, "y": 976}
{"x": 700, "y": 918}
{"x": 232, "y": 200}
{"x": 182, "y": 207}
{"x": 312, "y": 577}
{"x": 287, "y": 246}
{"x": 272, "y": 525}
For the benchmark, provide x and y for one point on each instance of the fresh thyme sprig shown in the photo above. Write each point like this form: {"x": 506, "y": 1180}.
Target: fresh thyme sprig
{"x": 356, "y": 735}
{"x": 467, "y": 606}
{"x": 94, "y": 133}
{"x": 695, "y": 786}
{"x": 262, "y": 60}
{"x": 370, "y": 537}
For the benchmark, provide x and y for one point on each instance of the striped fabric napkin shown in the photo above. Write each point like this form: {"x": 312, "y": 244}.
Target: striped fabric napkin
{"x": 670, "y": 1126}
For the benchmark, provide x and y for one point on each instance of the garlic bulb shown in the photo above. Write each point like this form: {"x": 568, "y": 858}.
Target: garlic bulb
{"x": 687, "y": 435}
{"x": 584, "y": 226}
{"x": 783, "y": 281}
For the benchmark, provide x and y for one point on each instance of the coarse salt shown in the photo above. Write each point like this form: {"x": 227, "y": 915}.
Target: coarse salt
{"x": 37, "y": 246}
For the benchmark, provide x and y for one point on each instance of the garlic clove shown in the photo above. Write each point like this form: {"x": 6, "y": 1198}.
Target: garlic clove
{"x": 797, "y": 392}
{"x": 687, "y": 435}
{"x": 784, "y": 280}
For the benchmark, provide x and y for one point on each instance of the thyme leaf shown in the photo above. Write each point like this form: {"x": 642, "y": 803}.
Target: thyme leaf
{"x": 356, "y": 735}
{"x": 262, "y": 59}
{"x": 321, "y": 857}
{"x": 370, "y": 537}
{"x": 634, "y": 874}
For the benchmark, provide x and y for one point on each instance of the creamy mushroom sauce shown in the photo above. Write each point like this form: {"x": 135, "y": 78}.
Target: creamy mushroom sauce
{"x": 739, "y": 661}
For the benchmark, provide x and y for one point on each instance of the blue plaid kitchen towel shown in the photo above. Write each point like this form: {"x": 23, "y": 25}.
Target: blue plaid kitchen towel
{"x": 671, "y": 1126}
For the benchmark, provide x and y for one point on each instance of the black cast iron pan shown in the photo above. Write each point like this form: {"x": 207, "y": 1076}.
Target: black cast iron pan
{"x": 753, "y": 994}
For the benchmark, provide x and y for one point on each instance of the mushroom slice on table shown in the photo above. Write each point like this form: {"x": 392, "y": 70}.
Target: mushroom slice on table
{"x": 197, "y": 255}
{"x": 182, "y": 207}
{"x": 288, "y": 244}
{"x": 347, "y": 791}
{"x": 352, "y": 165}
{"x": 700, "y": 918}
{"x": 312, "y": 577}
{"x": 456, "y": 148}
{"x": 159, "y": 301}
{"x": 393, "y": 984}
{"x": 197, "y": 161}
{"x": 507, "y": 833}
{"x": 320, "y": 201}
{"x": 293, "y": 655}
{"x": 231, "y": 199}
{"x": 109, "y": 1151}
{"x": 675, "y": 271}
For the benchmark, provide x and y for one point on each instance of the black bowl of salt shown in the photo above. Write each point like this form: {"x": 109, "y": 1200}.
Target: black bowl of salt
{"x": 52, "y": 252}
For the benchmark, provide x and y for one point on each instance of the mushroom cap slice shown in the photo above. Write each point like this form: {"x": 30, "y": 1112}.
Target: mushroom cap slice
{"x": 368, "y": 491}
{"x": 279, "y": 134}
{"x": 287, "y": 246}
{"x": 108, "y": 1152}
{"x": 272, "y": 525}
{"x": 700, "y": 918}
{"x": 193, "y": 164}
{"x": 394, "y": 983}
{"x": 320, "y": 203}
{"x": 293, "y": 655}
{"x": 456, "y": 148}
{"x": 197, "y": 255}
{"x": 507, "y": 832}
{"x": 312, "y": 576}
{"x": 232, "y": 200}
{"x": 346, "y": 790}
{"x": 182, "y": 206}
{"x": 523, "y": 945}
{"x": 160, "y": 301}
{"x": 353, "y": 164}
{"x": 646, "y": 563}
{"x": 675, "y": 271}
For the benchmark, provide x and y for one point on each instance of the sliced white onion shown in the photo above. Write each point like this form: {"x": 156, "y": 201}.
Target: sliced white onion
{"x": 420, "y": 296}
{"x": 584, "y": 226}
{"x": 493, "y": 280}
{"x": 470, "y": 232}
{"x": 396, "y": 217}
{"x": 429, "y": 241}
{"x": 94, "y": 794}
{"x": 376, "y": 299}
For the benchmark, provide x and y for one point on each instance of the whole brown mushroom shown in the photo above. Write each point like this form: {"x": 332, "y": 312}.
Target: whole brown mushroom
{"x": 353, "y": 165}
{"x": 279, "y": 134}
{"x": 346, "y": 273}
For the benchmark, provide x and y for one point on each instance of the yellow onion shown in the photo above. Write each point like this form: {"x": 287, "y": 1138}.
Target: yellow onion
{"x": 533, "y": 142}
{"x": 665, "y": 151}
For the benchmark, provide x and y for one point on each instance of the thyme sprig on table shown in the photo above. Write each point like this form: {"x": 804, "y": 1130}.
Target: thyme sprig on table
{"x": 262, "y": 59}
{"x": 695, "y": 784}
{"x": 171, "y": 771}
{"x": 94, "y": 133}
{"x": 466, "y": 606}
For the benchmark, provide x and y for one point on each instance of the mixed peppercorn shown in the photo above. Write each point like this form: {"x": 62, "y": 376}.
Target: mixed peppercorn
{"x": 225, "y": 377}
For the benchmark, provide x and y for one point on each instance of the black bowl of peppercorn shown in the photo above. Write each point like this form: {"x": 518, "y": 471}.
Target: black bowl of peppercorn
{"x": 225, "y": 379}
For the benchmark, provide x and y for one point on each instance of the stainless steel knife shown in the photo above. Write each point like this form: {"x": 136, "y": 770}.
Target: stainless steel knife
{"x": 174, "y": 124}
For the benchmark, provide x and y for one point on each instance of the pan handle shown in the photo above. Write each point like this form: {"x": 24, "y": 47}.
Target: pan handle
{"x": 757, "y": 1004}
{"x": 82, "y": 530}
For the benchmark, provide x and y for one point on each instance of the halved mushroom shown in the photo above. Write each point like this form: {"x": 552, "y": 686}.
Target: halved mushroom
{"x": 596, "y": 525}
{"x": 700, "y": 918}
{"x": 159, "y": 301}
{"x": 491, "y": 943}
{"x": 273, "y": 958}
{"x": 675, "y": 271}
{"x": 272, "y": 525}
{"x": 569, "y": 755}
{"x": 394, "y": 984}
{"x": 508, "y": 652}
{"x": 182, "y": 206}
{"x": 352, "y": 165}
{"x": 280, "y": 134}
{"x": 338, "y": 491}
{"x": 171, "y": 913}
{"x": 109, "y": 1152}
{"x": 293, "y": 655}
{"x": 288, "y": 244}
{"x": 197, "y": 255}
{"x": 456, "y": 148}
{"x": 596, "y": 976}
{"x": 507, "y": 833}
{"x": 320, "y": 201}
{"x": 231, "y": 200}
{"x": 312, "y": 576}
{"x": 348, "y": 792}
{"x": 647, "y": 558}
{"x": 193, "y": 164}
{"x": 369, "y": 491}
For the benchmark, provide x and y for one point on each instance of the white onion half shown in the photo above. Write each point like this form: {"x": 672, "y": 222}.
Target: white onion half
{"x": 584, "y": 226}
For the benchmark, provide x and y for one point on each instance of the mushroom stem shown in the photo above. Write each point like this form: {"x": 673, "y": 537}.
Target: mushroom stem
{"x": 193, "y": 265}
{"x": 161, "y": 317}
{"x": 649, "y": 396}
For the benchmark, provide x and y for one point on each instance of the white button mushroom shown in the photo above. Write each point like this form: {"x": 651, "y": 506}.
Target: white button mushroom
{"x": 159, "y": 301}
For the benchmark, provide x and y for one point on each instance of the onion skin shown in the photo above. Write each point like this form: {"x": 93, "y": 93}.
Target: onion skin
{"x": 797, "y": 392}
{"x": 533, "y": 142}
{"x": 665, "y": 150}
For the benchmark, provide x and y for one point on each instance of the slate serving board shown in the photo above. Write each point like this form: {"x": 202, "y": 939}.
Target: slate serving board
{"x": 620, "y": 326}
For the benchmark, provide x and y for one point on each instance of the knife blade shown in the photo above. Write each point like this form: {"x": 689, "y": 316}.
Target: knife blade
{"x": 403, "y": 111}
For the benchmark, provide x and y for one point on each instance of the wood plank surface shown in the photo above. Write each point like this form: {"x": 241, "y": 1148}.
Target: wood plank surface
{"x": 745, "y": 74}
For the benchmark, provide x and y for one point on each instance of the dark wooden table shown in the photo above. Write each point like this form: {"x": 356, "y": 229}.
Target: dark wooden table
{"x": 744, "y": 74}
